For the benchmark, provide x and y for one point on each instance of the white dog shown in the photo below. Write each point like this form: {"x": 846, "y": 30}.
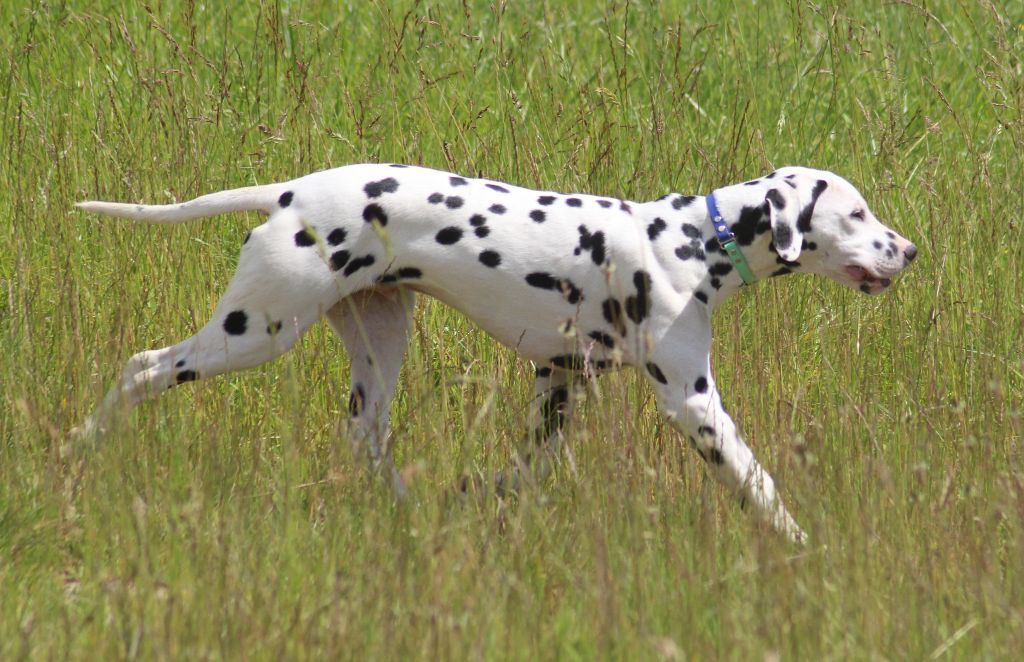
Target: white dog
{"x": 575, "y": 283}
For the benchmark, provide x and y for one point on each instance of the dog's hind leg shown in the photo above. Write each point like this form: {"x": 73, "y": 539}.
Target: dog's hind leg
{"x": 374, "y": 325}
{"x": 551, "y": 408}
{"x": 235, "y": 339}
{"x": 266, "y": 308}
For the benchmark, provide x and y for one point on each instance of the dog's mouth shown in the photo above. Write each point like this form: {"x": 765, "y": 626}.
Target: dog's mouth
{"x": 867, "y": 281}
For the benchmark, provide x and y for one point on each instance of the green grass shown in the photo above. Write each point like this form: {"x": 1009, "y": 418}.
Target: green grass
{"x": 229, "y": 520}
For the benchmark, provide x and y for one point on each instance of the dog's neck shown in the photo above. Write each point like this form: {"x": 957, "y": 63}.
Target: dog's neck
{"x": 744, "y": 208}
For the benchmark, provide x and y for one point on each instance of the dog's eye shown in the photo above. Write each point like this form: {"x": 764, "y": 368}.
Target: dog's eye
{"x": 859, "y": 214}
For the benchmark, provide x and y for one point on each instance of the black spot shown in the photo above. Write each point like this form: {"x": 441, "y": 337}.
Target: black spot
{"x": 453, "y": 202}
{"x": 458, "y": 181}
{"x": 771, "y": 174}
{"x": 410, "y": 272}
{"x": 655, "y": 228}
{"x": 483, "y": 231}
{"x": 753, "y": 221}
{"x": 336, "y": 236}
{"x": 691, "y": 231}
{"x": 376, "y": 189}
{"x": 712, "y": 246}
{"x": 397, "y": 165}
{"x": 877, "y": 244}
{"x": 716, "y": 457}
{"x": 546, "y": 281}
{"x": 790, "y": 176}
{"x": 574, "y": 202}
{"x": 803, "y": 221}
{"x": 624, "y": 206}
{"x": 612, "y": 311}
{"x": 358, "y": 263}
{"x": 304, "y": 238}
{"x": 706, "y": 431}
{"x": 753, "y": 182}
{"x": 716, "y": 283}
{"x": 274, "y": 328}
{"x": 538, "y": 216}
{"x": 776, "y": 198}
{"x": 187, "y": 376}
{"x": 701, "y": 385}
{"x": 568, "y": 361}
{"x": 782, "y": 236}
{"x": 496, "y": 209}
{"x": 656, "y": 372}
{"x": 691, "y": 250}
{"x": 865, "y": 288}
{"x": 546, "y": 200}
{"x": 180, "y": 363}
{"x": 542, "y": 280}
{"x": 890, "y": 234}
{"x": 248, "y": 235}
{"x": 808, "y": 245}
{"x": 374, "y": 212}
{"x": 593, "y": 243}
{"x": 639, "y": 307}
{"x": 544, "y": 371}
{"x": 553, "y": 413}
{"x": 477, "y": 220}
{"x": 339, "y": 259}
{"x": 436, "y": 198}
{"x": 356, "y": 400}
{"x": 789, "y": 184}
{"x": 682, "y": 201}
{"x": 236, "y": 322}
{"x": 605, "y": 203}
{"x": 720, "y": 268}
{"x": 490, "y": 259}
{"x": 405, "y": 273}
{"x": 577, "y": 362}
{"x": 604, "y": 338}
{"x": 701, "y": 296}
{"x": 286, "y": 198}
{"x": 449, "y": 235}
{"x": 495, "y": 187}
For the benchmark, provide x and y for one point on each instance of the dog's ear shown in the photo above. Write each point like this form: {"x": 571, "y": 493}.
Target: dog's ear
{"x": 784, "y": 211}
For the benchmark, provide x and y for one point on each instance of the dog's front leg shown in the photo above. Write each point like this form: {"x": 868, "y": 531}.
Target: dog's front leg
{"x": 687, "y": 396}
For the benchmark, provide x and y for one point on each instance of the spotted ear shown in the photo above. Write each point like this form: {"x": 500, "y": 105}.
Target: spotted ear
{"x": 784, "y": 210}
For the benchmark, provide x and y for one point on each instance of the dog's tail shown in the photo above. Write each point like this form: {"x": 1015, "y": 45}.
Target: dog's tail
{"x": 251, "y": 198}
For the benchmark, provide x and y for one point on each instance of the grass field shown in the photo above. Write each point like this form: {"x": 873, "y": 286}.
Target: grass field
{"x": 229, "y": 520}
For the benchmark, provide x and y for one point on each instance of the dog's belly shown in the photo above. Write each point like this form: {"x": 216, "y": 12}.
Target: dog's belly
{"x": 534, "y": 330}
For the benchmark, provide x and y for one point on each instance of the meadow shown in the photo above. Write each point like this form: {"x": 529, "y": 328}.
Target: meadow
{"x": 228, "y": 519}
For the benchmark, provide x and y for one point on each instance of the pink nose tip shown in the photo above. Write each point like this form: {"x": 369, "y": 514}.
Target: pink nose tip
{"x": 909, "y": 253}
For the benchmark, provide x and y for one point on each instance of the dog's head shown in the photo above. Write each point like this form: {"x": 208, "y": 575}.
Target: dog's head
{"x": 821, "y": 221}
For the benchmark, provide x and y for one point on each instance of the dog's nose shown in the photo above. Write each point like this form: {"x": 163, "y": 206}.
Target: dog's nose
{"x": 909, "y": 253}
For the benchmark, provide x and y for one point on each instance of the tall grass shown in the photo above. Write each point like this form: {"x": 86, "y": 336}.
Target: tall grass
{"x": 229, "y": 520}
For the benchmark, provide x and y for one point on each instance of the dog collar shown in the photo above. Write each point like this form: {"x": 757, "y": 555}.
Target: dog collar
{"x": 727, "y": 240}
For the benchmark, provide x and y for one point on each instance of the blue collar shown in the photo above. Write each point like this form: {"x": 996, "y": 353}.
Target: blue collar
{"x": 727, "y": 240}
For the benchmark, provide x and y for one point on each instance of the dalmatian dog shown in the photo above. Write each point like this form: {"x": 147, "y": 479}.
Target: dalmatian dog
{"x": 578, "y": 284}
